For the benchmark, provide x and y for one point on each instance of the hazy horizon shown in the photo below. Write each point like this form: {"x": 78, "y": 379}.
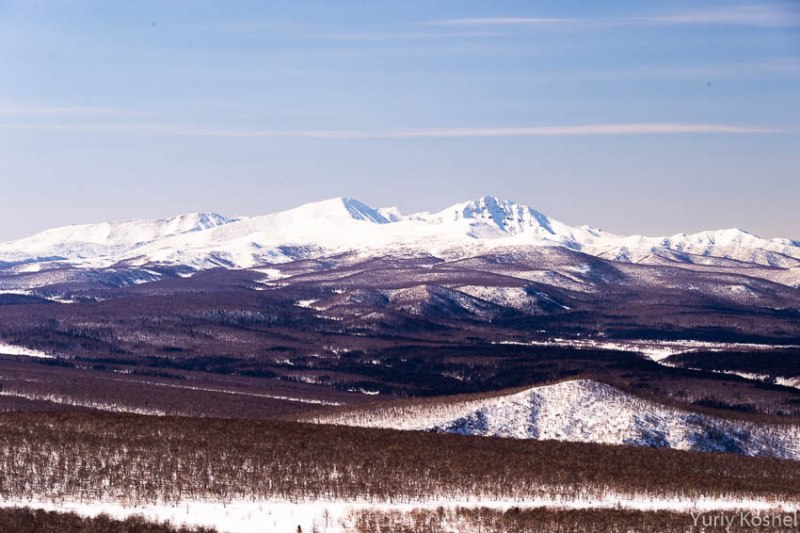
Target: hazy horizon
{"x": 651, "y": 119}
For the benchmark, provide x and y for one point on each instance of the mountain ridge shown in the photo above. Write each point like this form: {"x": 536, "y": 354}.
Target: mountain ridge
{"x": 207, "y": 240}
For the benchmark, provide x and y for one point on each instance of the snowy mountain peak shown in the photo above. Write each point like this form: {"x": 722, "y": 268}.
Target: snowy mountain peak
{"x": 340, "y": 207}
{"x": 510, "y": 217}
{"x": 176, "y": 225}
{"x": 361, "y": 211}
{"x": 723, "y": 236}
{"x": 201, "y": 221}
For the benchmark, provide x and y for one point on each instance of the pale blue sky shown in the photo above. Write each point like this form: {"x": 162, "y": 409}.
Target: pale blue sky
{"x": 654, "y": 117}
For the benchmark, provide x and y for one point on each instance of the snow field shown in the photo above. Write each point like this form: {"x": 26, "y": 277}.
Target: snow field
{"x": 277, "y": 516}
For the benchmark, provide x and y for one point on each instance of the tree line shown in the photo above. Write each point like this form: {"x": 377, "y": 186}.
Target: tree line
{"x": 139, "y": 459}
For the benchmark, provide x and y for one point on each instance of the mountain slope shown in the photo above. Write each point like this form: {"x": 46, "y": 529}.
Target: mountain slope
{"x": 107, "y": 239}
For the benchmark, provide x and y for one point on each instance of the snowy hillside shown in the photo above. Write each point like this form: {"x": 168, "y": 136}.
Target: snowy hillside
{"x": 583, "y": 411}
{"x": 346, "y": 225}
{"x": 105, "y": 240}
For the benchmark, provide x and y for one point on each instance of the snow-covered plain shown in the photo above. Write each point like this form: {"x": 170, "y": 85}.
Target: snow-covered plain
{"x": 347, "y": 225}
{"x": 582, "y": 411}
{"x": 337, "y": 516}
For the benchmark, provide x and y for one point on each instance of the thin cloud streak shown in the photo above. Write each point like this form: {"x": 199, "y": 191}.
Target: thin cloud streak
{"x": 540, "y": 131}
{"x": 50, "y": 111}
{"x": 752, "y": 15}
{"x": 550, "y": 131}
{"x": 774, "y": 15}
{"x": 412, "y": 36}
{"x": 517, "y": 21}
{"x": 545, "y": 131}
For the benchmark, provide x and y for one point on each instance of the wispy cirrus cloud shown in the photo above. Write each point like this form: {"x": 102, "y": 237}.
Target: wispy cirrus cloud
{"x": 411, "y": 36}
{"x": 498, "y": 21}
{"x": 541, "y": 131}
{"x": 742, "y": 15}
{"x": 51, "y": 111}
{"x": 538, "y": 131}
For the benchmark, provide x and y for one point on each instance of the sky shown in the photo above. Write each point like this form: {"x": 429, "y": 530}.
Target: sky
{"x": 653, "y": 117}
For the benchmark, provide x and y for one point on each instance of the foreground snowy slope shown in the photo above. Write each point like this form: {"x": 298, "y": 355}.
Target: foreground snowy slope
{"x": 346, "y": 225}
{"x": 582, "y": 411}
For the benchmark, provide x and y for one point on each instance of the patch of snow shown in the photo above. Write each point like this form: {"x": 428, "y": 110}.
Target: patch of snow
{"x": 13, "y": 349}
{"x": 270, "y": 274}
{"x": 76, "y": 402}
{"x": 789, "y": 382}
{"x": 655, "y": 350}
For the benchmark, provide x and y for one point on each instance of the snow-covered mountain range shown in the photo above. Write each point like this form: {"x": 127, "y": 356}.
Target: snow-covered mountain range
{"x": 341, "y": 225}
